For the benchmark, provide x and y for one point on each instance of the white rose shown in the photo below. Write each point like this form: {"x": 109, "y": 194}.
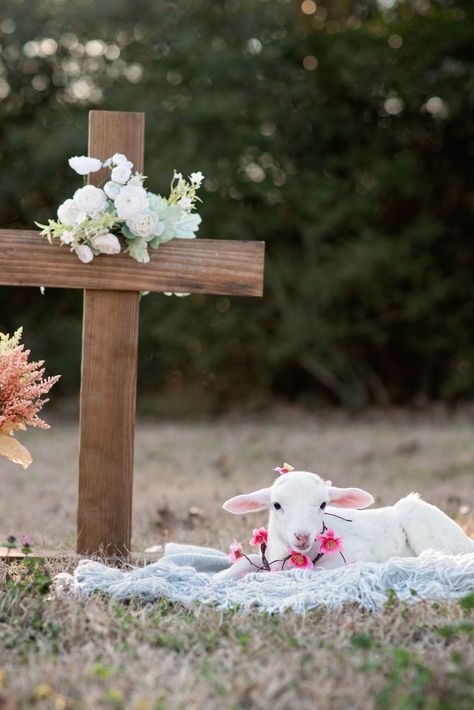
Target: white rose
{"x": 112, "y": 189}
{"x": 69, "y": 213}
{"x": 90, "y": 199}
{"x": 84, "y": 165}
{"x": 197, "y": 178}
{"x": 131, "y": 201}
{"x": 106, "y": 243}
{"x": 121, "y": 174}
{"x": 84, "y": 253}
{"x": 146, "y": 225}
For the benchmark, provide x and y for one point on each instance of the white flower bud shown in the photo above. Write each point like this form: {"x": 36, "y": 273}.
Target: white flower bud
{"x": 112, "y": 189}
{"x": 84, "y": 253}
{"x": 106, "y": 243}
{"x": 121, "y": 159}
{"x": 197, "y": 178}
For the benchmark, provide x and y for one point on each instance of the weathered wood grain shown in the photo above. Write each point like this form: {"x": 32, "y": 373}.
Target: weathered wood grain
{"x": 109, "y": 376}
{"x": 221, "y": 267}
{"x": 107, "y": 424}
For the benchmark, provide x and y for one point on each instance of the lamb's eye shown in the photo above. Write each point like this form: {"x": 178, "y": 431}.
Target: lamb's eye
{"x": 323, "y": 505}
{"x": 277, "y": 506}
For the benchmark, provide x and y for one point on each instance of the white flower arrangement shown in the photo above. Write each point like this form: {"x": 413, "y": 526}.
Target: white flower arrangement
{"x": 122, "y": 213}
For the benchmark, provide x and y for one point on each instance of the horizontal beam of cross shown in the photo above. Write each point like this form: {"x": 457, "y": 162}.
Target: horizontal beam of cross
{"x": 220, "y": 267}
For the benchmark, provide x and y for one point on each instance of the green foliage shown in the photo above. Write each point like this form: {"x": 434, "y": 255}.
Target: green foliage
{"x": 342, "y": 138}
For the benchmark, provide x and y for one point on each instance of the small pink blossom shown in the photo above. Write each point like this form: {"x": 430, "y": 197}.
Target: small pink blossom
{"x": 235, "y": 551}
{"x": 260, "y": 537}
{"x": 298, "y": 559}
{"x": 328, "y": 483}
{"x": 329, "y": 543}
{"x": 286, "y": 468}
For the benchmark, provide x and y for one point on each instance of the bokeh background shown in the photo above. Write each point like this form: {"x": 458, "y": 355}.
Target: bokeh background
{"x": 339, "y": 132}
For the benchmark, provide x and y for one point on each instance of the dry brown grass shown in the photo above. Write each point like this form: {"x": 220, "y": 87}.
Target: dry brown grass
{"x": 100, "y": 654}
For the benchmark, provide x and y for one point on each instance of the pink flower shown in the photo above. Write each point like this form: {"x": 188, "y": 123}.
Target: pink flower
{"x": 298, "y": 559}
{"x": 328, "y": 483}
{"x": 329, "y": 543}
{"x": 235, "y": 551}
{"x": 260, "y": 536}
{"x": 286, "y": 468}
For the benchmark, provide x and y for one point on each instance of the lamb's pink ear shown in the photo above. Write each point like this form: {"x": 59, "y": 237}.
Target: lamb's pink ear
{"x": 249, "y": 502}
{"x": 349, "y": 497}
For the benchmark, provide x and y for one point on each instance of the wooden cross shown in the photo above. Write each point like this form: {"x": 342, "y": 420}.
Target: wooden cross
{"x": 110, "y": 331}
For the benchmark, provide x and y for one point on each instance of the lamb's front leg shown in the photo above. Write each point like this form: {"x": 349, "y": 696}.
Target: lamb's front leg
{"x": 239, "y": 569}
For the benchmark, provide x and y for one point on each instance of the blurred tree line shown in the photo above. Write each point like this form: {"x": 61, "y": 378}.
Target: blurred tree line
{"x": 339, "y": 132}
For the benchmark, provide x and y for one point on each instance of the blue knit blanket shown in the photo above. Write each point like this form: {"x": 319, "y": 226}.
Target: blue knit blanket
{"x": 184, "y": 575}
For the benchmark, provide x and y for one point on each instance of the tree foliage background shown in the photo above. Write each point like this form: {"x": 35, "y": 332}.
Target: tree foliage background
{"x": 340, "y": 133}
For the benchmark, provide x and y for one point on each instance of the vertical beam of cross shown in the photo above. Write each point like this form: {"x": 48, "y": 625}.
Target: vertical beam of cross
{"x": 109, "y": 367}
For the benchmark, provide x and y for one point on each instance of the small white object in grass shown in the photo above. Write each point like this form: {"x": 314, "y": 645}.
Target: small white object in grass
{"x": 42, "y": 290}
{"x": 154, "y": 548}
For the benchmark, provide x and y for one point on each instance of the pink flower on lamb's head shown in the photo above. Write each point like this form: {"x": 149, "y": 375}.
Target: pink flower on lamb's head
{"x": 260, "y": 537}
{"x": 328, "y": 483}
{"x": 286, "y": 468}
{"x": 298, "y": 559}
{"x": 235, "y": 551}
{"x": 329, "y": 543}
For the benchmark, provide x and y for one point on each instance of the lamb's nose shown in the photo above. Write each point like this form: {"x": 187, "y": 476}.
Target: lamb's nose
{"x": 302, "y": 537}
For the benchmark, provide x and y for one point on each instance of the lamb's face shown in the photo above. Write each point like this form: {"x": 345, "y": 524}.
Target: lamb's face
{"x": 297, "y": 503}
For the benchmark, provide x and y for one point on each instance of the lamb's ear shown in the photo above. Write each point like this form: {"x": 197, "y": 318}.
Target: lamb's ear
{"x": 248, "y": 502}
{"x": 349, "y": 497}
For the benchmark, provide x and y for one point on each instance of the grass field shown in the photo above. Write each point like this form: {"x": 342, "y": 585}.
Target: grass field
{"x": 100, "y": 654}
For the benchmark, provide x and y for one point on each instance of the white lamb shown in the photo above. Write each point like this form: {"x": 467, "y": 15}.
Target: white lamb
{"x": 302, "y": 506}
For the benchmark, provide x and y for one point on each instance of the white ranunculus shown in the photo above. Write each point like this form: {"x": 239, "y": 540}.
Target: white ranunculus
{"x": 106, "y": 243}
{"x": 84, "y": 165}
{"x": 70, "y": 214}
{"x": 112, "y": 189}
{"x": 90, "y": 199}
{"x": 84, "y": 253}
{"x": 197, "y": 178}
{"x": 121, "y": 174}
{"x": 132, "y": 200}
{"x": 146, "y": 225}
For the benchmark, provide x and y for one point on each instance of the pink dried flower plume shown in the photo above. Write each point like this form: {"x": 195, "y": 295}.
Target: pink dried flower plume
{"x": 22, "y": 385}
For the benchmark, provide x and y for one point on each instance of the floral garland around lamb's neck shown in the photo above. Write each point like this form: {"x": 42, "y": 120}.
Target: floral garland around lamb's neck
{"x": 329, "y": 543}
